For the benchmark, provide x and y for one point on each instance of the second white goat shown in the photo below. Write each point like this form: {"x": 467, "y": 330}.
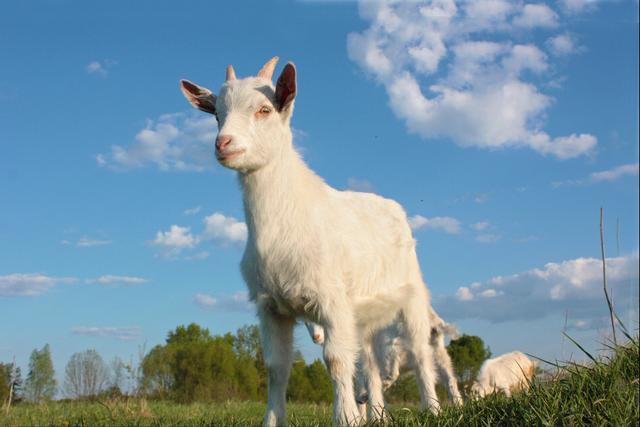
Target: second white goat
{"x": 392, "y": 354}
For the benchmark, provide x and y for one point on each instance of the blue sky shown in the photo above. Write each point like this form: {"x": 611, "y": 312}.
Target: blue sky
{"x": 501, "y": 127}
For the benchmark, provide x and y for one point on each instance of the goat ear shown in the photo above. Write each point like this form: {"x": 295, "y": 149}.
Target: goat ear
{"x": 286, "y": 87}
{"x": 198, "y": 96}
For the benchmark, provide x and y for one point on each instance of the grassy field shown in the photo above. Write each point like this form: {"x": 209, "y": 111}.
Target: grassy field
{"x": 606, "y": 392}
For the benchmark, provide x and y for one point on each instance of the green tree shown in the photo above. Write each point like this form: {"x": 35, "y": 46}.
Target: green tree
{"x": 309, "y": 383}
{"x": 299, "y": 387}
{"x": 118, "y": 379}
{"x": 40, "y": 384}
{"x": 189, "y": 334}
{"x": 467, "y": 354}
{"x": 247, "y": 342}
{"x": 86, "y": 375}
{"x": 195, "y": 366}
{"x": 10, "y": 382}
{"x": 157, "y": 374}
{"x": 320, "y": 381}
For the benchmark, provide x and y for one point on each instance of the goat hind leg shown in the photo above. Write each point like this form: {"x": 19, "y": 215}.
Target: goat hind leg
{"x": 417, "y": 330}
{"x": 373, "y": 382}
{"x": 443, "y": 360}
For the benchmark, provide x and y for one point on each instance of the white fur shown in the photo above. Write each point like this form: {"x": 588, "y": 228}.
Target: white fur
{"x": 317, "y": 253}
{"x": 316, "y": 332}
{"x": 507, "y": 373}
{"x": 391, "y": 351}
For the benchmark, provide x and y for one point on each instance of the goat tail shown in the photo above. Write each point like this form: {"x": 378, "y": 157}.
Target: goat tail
{"x": 450, "y": 330}
{"x": 441, "y": 327}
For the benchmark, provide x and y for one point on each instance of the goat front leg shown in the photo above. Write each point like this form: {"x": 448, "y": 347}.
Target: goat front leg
{"x": 277, "y": 345}
{"x": 340, "y": 353}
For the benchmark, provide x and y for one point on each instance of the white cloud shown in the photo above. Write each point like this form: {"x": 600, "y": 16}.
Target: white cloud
{"x": 562, "y": 45}
{"x": 577, "y": 6}
{"x": 100, "y": 68}
{"x": 489, "y": 293}
{"x": 574, "y": 285}
{"x": 110, "y": 279}
{"x": 175, "y": 240}
{"x": 484, "y": 232}
{"x": 481, "y": 198}
{"x": 563, "y": 147}
{"x": 536, "y": 15}
{"x": 238, "y": 301}
{"x": 173, "y": 142}
{"x": 464, "y": 294}
{"x": 192, "y": 211}
{"x": 86, "y": 242}
{"x": 96, "y": 67}
{"x": 120, "y": 333}
{"x": 615, "y": 173}
{"x": 30, "y": 284}
{"x": 355, "y": 184}
{"x": 205, "y": 301}
{"x": 224, "y": 228}
{"x": 452, "y": 70}
{"x": 479, "y": 226}
{"x": 443, "y": 223}
{"x": 217, "y": 227}
{"x": 483, "y": 14}
{"x": 608, "y": 175}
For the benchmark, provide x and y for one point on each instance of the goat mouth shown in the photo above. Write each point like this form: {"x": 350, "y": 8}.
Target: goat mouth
{"x": 228, "y": 155}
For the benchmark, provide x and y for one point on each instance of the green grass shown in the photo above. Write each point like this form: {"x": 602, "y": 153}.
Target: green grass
{"x": 606, "y": 392}
{"x": 142, "y": 413}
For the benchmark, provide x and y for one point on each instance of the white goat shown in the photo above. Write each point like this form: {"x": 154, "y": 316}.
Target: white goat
{"x": 507, "y": 373}
{"x": 392, "y": 355}
{"x": 343, "y": 259}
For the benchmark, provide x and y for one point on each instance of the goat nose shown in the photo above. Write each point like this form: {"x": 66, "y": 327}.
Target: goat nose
{"x": 222, "y": 141}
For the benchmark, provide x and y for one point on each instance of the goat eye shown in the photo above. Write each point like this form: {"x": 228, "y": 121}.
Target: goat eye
{"x": 264, "y": 110}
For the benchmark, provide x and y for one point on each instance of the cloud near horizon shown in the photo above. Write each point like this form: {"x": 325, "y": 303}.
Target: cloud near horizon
{"x": 574, "y": 285}
{"x": 456, "y": 70}
{"x": 29, "y": 284}
{"x": 119, "y": 333}
{"x": 238, "y": 301}
{"x": 111, "y": 279}
{"x": 36, "y": 284}
{"x": 609, "y": 175}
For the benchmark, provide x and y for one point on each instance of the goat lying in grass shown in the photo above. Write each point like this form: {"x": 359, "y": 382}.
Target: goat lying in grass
{"x": 391, "y": 352}
{"x": 345, "y": 260}
{"x": 507, "y": 373}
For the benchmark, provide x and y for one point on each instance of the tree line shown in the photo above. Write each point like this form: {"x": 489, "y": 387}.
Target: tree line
{"x": 193, "y": 365}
